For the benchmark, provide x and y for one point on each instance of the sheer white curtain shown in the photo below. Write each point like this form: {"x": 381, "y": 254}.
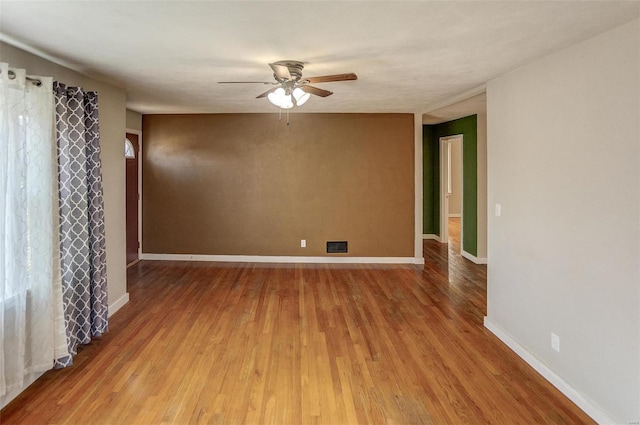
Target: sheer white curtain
{"x": 32, "y": 332}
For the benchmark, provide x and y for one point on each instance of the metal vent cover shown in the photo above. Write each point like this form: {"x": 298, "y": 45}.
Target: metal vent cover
{"x": 335, "y": 247}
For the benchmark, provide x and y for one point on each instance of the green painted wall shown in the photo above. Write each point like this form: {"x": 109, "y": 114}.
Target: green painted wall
{"x": 430, "y": 182}
{"x": 468, "y": 127}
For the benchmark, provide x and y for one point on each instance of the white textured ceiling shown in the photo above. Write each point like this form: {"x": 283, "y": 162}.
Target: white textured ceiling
{"x": 414, "y": 56}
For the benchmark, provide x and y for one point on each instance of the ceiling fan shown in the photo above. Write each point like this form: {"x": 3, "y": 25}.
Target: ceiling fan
{"x": 293, "y": 90}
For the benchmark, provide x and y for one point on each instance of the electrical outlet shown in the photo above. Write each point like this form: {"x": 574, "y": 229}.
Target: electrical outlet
{"x": 555, "y": 342}
{"x": 498, "y": 210}
{"x": 303, "y": 243}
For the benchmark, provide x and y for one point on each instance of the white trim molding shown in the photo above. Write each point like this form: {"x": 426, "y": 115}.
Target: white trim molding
{"x": 418, "y": 183}
{"x": 139, "y": 156}
{"x": 118, "y": 304}
{"x": 563, "y": 386}
{"x": 444, "y": 143}
{"x": 431, "y": 236}
{"x": 473, "y": 258}
{"x": 282, "y": 259}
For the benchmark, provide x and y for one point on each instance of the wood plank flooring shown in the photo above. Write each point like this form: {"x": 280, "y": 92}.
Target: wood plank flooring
{"x": 298, "y": 344}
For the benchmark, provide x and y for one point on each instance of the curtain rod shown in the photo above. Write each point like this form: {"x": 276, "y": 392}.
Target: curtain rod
{"x": 34, "y": 81}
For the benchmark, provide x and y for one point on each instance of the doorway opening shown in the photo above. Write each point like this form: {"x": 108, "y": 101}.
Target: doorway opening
{"x": 132, "y": 158}
{"x": 451, "y": 190}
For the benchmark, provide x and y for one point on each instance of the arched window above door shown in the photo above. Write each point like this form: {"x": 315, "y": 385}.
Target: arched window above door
{"x": 129, "y": 151}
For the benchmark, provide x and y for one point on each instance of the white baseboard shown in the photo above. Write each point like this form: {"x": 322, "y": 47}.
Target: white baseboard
{"x": 117, "y": 304}
{"x": 455, "y": 215}
{"x": 431, "y": 236}
{"x": 473, "y": 258}
{"x": 563, "y": 386}
{"x": 283, "y": 259}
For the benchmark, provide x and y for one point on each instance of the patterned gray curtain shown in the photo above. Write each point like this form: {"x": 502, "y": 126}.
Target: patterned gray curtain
{"x": 82, "y": 241}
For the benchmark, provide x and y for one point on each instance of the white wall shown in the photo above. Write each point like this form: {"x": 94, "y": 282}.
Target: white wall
{"x": 134, "y": 120}
{"x": 564, "y": 257}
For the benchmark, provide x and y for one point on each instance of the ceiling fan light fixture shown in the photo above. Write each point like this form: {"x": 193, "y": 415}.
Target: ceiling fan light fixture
{"x": 301, "y": 96}
{"x": 280, "y": 99}
{"x": 286, "y": 102}
{"x": 276, "y": 96}
{"x": 292, "y": 90}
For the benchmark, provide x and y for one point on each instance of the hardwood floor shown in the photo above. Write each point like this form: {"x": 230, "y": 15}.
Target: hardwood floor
{"x": 298, "y": 344}
{"x": 455, "y": 227}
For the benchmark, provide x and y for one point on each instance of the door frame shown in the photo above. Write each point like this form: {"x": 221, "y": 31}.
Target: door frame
{"x": 444, "y": 181}
{"x": 139, "y": 134}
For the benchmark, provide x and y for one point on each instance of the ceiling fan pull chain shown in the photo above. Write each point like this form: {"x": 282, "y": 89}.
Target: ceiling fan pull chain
{"x": 287, "y": 117}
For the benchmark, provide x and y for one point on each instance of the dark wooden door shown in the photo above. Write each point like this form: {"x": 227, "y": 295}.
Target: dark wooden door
{"x": 132, "y": 199}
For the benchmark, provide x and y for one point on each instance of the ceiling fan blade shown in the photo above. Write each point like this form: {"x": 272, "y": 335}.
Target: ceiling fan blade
{"x": 265, "y": 94}
{"x": 246, "y": 82}
{"x": 281, "y": 71}
{"x": 332, "y": 78}
{"x": 316, "y": 91}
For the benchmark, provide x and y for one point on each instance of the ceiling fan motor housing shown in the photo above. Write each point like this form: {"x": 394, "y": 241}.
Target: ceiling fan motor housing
{"x": 295, "y": 68}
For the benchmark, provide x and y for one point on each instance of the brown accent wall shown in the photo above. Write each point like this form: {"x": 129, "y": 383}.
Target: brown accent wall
{"x": 248, "y": 184}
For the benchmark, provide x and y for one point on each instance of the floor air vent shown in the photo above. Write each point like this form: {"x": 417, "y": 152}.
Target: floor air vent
{"x": 336, "y": 247}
